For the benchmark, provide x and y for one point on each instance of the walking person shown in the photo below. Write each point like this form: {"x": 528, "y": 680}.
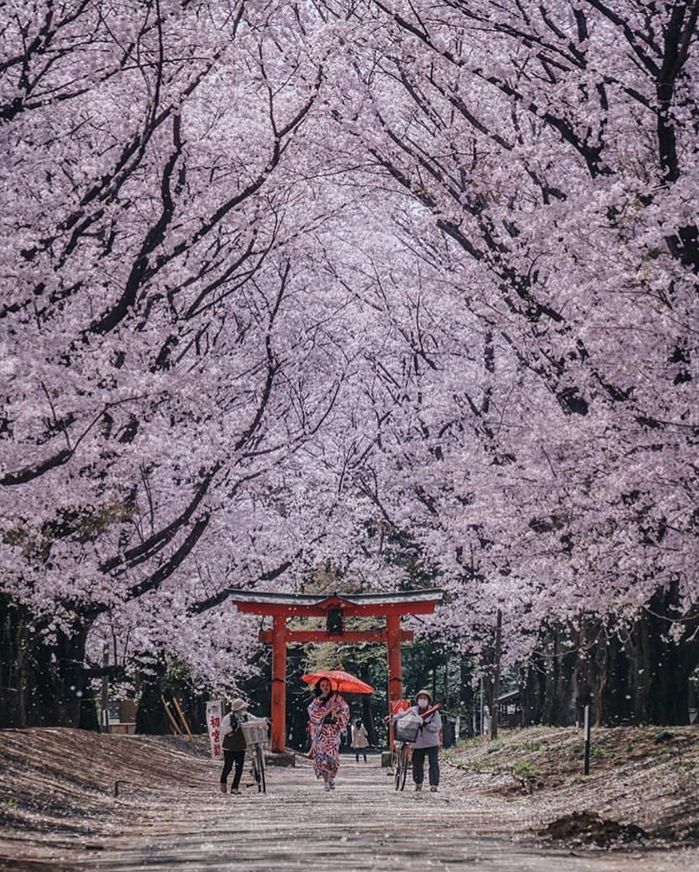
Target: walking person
{"x": 328, "y": 715}
{"x": 233, "y": 742}
{"x": 427, "y": 742}
{"x": 360, "y": 739}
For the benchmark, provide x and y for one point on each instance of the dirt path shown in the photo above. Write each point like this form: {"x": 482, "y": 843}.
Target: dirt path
{"x": 363, "y": 825}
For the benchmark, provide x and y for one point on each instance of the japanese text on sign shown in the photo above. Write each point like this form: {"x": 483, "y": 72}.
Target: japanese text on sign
{"x": 214, "y": 715}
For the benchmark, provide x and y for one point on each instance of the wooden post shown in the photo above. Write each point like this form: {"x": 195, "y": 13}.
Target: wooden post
{"x": 183, "y": 719}
{"x": 176, "y": 731}
{"x": 105, "y": 689}
{"x": 279, "y": 683}
{"x": 586, "y": 763}
{"x": 395, "y": 675}
{"x": 481, "y": 708}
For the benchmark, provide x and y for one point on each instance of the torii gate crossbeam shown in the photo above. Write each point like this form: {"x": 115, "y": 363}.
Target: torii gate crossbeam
{"x": 334, "y": 609}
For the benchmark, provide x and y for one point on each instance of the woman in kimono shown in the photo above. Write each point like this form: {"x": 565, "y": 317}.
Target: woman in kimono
{"x": 328, "y": 717}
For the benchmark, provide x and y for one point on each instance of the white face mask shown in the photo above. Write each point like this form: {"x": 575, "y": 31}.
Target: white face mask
{"x": 422, "y": 702}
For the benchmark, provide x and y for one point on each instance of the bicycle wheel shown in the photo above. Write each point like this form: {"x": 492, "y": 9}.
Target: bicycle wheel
{"x": 397, "y": 766}
{"x": 404, "y": 754}
{"x": 261, "y": 784}
{"x": 254, "y": 766}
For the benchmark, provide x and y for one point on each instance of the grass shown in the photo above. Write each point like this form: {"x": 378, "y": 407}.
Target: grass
{"x": 641, "y": 775}
{"x": 524, "y": 775}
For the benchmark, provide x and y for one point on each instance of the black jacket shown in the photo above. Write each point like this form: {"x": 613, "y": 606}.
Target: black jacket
{"x": 235, "y": 740}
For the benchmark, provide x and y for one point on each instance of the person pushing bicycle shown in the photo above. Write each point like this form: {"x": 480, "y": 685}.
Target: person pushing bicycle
{"x": 233, "y": 744}
{"x": 427, "y": 741}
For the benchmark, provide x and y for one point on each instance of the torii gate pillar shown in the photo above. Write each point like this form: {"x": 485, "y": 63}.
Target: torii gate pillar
{"x": 395, "y": 669}
{"x": 279, "y": 683}
{"x": 334, "y": 609}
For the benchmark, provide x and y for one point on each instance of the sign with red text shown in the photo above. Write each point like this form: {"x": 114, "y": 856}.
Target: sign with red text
{"x": 214, "y": 716}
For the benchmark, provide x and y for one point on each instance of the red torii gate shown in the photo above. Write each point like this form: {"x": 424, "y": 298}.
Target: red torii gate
{"x": 334, "y": 609}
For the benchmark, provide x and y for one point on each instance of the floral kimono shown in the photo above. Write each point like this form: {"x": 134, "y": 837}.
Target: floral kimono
{"x": 325, "y": 734}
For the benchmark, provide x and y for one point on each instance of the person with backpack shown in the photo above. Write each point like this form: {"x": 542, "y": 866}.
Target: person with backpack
{"x": 233, "y": 742}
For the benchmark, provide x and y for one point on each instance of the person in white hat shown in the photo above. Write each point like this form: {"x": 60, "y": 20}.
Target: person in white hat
{"x": 427, "y": 742}
{"x": 233, "y": 744}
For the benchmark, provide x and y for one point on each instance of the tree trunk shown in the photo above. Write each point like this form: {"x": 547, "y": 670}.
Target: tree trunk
{"x": 151, "y": 717}
{"x": 467, "y": 695}
{"x": 663, "y": 668}
{"x": 497, "y": 652}
{"x": 368, "y": 720}
{"x": 534, "y": 689}
{"x": 614, "y": 702}
{"x": 42, "y": 677}
{"x": 643, "y": 678}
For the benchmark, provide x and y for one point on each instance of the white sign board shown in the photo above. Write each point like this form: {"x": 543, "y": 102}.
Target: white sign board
{"x": 214, "y": 716}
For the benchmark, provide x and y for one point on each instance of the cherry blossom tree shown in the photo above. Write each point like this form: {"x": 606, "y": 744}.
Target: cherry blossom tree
{"x": 404, "y": 288}
{"x": 155, "y": 323}
{"x": 552, "y": 148}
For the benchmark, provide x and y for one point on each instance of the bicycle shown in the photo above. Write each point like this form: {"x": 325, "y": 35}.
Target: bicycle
{"x": 256, "y": 734}
{"x": 257, "y": 760}
{"x": 402, "y": 762}
{"x": 406, "y": 729}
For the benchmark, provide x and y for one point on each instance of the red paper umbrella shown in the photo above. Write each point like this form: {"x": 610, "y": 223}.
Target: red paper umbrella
{"x": 340, "y": 681}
